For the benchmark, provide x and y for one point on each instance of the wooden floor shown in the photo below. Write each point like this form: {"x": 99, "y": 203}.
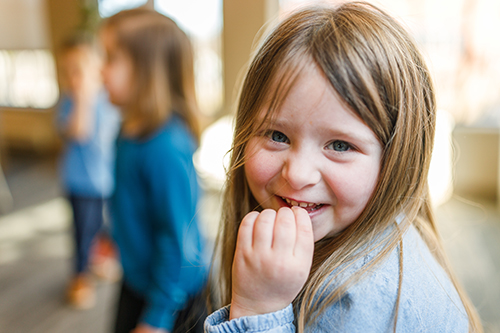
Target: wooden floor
{"x": 35, "y": 257}
{"x": 32, "y": 299}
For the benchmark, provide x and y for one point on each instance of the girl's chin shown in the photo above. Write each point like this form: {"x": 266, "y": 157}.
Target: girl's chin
{"x": 319, "y": 234}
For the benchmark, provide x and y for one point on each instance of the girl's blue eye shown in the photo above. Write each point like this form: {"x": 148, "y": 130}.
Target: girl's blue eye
{"x": 278, "y": 137}
{"x": 339, "y": 146}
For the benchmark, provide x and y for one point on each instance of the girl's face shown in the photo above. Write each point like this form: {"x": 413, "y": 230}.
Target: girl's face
{"x": 316, "y": 154}
{"x": 117, "y": 71}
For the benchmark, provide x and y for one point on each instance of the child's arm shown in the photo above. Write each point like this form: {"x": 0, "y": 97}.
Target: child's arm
{"x": 272, "y": 261}
{"x": 177, "y": 267}
{"x": 80, "y": 122}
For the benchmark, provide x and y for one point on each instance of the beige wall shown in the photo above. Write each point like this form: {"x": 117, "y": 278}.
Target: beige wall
{"x": 26, "y": 129}
{"x": 242, "y": 21}
{"x": 476, "y": 162}
{"x": 23, "y": 24}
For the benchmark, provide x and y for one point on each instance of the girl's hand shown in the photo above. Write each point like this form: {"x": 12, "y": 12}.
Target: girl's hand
{"x": 272, "y": 260}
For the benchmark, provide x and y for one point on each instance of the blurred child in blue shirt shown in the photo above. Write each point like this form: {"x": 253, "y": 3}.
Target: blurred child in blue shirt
{"x": 148, "y": 73}
{"x": 89, "y": 123}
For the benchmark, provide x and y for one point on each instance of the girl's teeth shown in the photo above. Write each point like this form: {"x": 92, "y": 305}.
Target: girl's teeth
{"x": 301, "y": 204}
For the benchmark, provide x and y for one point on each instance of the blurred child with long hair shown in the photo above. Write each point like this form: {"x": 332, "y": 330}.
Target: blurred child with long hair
{"x": 149, "y": 74}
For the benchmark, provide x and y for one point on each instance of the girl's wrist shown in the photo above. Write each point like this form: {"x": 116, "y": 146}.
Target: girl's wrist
{"x": 238, "y": 311}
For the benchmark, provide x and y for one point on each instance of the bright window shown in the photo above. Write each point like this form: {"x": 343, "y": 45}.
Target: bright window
{"x": 202, "y": 21}
{"x": 27, "y": 79}
{"x": 111, "y": 7}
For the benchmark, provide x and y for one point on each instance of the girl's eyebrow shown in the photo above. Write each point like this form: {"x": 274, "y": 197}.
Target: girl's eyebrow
{"x": 270, "y": 121}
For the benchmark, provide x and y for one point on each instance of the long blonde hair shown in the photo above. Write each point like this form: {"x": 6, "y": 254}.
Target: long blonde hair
{"x": 376, "y": 69}
{"x": 162, "y": 58}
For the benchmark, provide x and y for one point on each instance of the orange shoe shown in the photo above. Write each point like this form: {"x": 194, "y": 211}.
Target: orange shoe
{"x": 81, "y": 293}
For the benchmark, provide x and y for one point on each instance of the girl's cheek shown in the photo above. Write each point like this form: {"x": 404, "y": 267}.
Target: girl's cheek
{"x": 263, "y": 164}
{"x": 261, "y": 168}
{"x": 357, "y": 184}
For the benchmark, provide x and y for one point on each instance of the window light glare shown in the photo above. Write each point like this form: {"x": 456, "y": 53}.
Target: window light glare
{"x": 28, "y": 79}
{"x": 110, "y": 7}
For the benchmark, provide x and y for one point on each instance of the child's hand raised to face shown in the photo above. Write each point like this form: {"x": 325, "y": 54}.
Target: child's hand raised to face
{"x": 273, "y": 258}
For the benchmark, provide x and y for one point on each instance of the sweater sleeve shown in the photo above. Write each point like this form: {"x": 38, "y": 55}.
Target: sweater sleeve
{"x": 276, "y": 322}
{"x": 176, "y": 264}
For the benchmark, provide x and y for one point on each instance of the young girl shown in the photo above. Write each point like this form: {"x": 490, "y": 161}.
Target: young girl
{"x": 328, "y": 225}
{"x": 149, "y": 75}
{"x": 89, "y": 124}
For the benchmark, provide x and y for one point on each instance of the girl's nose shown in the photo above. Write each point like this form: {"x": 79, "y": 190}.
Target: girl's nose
{"x": 301, "y": 170}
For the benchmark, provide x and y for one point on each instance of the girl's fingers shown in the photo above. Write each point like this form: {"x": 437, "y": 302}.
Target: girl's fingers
{"x": 284, "y": 231}
{"x": 304, "y": 244}
{"x": 263, "y": 229}
{"x": 245, "y": 232}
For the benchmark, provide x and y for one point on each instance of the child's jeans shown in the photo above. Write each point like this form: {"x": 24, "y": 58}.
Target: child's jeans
{"x": 88, "y": 220}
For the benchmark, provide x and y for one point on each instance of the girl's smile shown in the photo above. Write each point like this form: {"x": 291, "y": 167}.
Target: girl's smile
{"x": 315, "y": 154}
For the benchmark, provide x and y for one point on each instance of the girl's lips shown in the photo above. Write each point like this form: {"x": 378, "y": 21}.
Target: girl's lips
{"x": 311, "y": 208}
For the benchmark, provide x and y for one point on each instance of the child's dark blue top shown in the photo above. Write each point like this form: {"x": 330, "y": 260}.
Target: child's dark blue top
{"x": 156, "y": 222}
